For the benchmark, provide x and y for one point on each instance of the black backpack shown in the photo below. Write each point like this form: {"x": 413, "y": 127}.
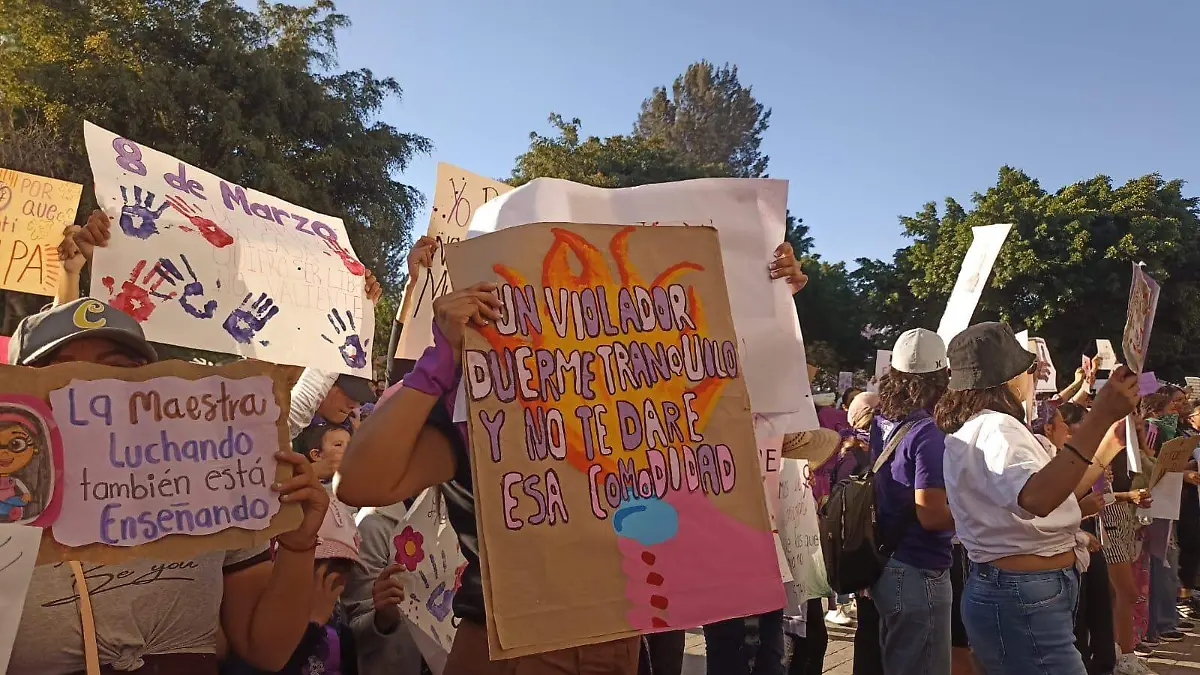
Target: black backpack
{"x": 854, "y": 549}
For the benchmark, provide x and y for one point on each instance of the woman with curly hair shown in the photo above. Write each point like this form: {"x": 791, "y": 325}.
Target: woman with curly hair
{"x": 914, "y": 594}
{"x": 1015, "y": 507}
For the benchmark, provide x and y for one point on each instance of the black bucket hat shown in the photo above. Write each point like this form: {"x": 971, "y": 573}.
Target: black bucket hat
{"x": 986, "y": 355}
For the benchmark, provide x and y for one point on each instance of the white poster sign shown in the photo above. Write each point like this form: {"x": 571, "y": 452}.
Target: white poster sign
{"x": 18, "y": 553}
{"x": 799, "y": 532}
{"x": 749, "y": 216}
{"x": 456, "y": 196}
{"x": 770, "y": 455}
{"x": 1106, "y": 358}
{"x": 972, "y": 278}
{"x": 427, "y": 546}
{"x": 204, "y": 263}
{"x": 883, "y": 363}
{"x": 1047, "y": 381}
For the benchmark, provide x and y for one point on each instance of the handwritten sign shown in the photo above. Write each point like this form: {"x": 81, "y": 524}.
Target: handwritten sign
{"x": 455, "y": 197}
{"x": 208, "y": 264}
{"x": 1174, "y": 457}
{"x": 18, "y": 554}
{"x": 164, "y": 461}
{"x": 799, "y": 531}
{"x": 972, "y": 278}
{"x": 1143, "y": 303}
{"x": 612, "y": 437}
{"x": 1047, "y": 381}
{"x": 427, "y": 545}
{"x": 34, "y": 211}
{"x": 1106, "y": 358}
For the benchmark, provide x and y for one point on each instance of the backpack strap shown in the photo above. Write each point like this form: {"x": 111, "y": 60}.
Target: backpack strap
{"x": 890, "y": 448}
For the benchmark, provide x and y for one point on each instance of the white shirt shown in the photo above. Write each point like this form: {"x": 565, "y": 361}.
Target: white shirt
{"x": 987, "y": 463}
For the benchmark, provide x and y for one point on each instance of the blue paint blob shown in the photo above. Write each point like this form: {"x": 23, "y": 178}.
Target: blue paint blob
{"x": 646, "y": 521}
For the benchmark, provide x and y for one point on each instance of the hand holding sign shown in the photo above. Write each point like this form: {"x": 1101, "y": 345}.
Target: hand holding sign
{"x": 304, "y": 489}
{"x": 1119, "y": 397}
{"x": 477, "y": 305}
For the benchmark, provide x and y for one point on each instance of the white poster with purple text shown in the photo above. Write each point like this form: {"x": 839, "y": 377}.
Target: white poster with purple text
{"x": 204, "y": 263}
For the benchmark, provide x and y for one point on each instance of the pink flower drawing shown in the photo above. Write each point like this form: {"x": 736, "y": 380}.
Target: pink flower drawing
{"x": 410, "y": 548}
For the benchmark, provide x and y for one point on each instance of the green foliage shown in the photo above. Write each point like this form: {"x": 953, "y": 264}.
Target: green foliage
{"x": 247, "y": 95}
{"x": 613, "y": 162}
{"x": 710, "y": 118}
{"x": 1064, "y": 271}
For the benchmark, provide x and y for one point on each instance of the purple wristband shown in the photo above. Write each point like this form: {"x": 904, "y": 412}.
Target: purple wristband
{"x": 436, "y": 372}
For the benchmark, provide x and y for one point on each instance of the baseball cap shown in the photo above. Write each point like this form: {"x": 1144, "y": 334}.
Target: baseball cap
{"x": 39, "y": 335}
{"x": 815, "y": 445}
{"x": 357, "y": 388}
{"x": 986, "y": 355}
{"x": 919, "y": 351}
{"x": 338, "y": 537}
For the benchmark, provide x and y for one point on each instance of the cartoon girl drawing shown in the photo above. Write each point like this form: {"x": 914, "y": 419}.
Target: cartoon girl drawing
{"x": 30, "y": 461}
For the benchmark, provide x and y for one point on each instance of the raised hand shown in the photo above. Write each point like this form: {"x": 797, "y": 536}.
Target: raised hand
{"x": 69, "y": 253}
{"x": 139, "y": 218}
{"x": 421, "y": 255}
{"x": 354, "y": 351}
{"x": 386, "y": 595}
{"x": 476, "y": 305}
{"x": 785, "y": 266}
{"x": 211, "y": 232}
{"x": 371, "y": 287}
{"x": 192, "y": 292}
{"x": 244, "y": 322}
{"x": 304, "y": 489}
{"x": 96, "y": 232}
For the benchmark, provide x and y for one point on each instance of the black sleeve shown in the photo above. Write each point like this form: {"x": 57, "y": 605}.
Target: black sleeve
{"x": 1122, "y": 481}
{"x": 397, "y": 368}
{"x": 349, "y": 651}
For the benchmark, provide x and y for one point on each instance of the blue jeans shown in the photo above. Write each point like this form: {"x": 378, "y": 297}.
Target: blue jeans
{"x": 1021, "y": 623}
{"x": 752, "y": 645}
{"x": 914, "y": 619}
{"x": 1164, "y": 589}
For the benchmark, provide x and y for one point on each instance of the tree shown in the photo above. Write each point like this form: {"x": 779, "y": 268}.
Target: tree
{"x": 248, "y": 95}
{"x": 613, "y": 162}
{"x": 1064, "y": 271}
{"x": 830, "y": 313}
{"x": 709, "y": 118}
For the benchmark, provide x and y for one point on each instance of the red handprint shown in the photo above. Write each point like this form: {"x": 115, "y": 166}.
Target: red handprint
{"x": 208, "y": 229}
{"x": 356, "y": 268}
{"x": 133, "y": 299}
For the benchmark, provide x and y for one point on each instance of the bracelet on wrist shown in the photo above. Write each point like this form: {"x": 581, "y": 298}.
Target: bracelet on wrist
{"x": 1077, "y": 453}
{"x": 279, "y": 543}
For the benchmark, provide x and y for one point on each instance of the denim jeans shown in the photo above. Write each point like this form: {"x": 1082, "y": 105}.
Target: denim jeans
{"x": 914, "y": 619}
{"x": 1020, "y": 623}
{"x": 749, "y": 646}
{"x": 1164, "y": 590}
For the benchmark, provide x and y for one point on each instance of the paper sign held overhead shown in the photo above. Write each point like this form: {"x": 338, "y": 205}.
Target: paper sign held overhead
{"x": 883, "y": 363}
{"x": 1106, "y": 358}
{"x": 611, "y": 437}
{"x": 204, "y": 263}
{"x": 749, "y": 215}
{"x": 1143, "y": 303}
{"x": 1047, "y": 381}
{"x": 845, "y": 382}
{"x": 163, "y": 461}
{"x": 34, "y": 211}
{"x": 972, "y": 278}
{"x": 456, "y": 196}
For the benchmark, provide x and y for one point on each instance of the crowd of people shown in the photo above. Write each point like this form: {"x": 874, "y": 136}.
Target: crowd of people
{"x": 1007, "y": 524}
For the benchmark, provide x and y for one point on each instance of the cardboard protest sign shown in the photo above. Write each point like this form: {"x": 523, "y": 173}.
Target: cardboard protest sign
{"x": 204, "y": 263}
{"x": 1174, "y": 457}
{"x": 611, "y": 436}
{"x": 972, "y": 278}
{"x": 18, "y": 554}
{"x": 34, "y": 212}
{"x": 799, "y": 531}
{"x": 456, "y": 196}
{"x": 1143, "y": 303}
{"x": 750, "y": 217}
{"x": 1193, "y": 386}
{"x": 163, "y": 461}
{"x": 427, "y": 546}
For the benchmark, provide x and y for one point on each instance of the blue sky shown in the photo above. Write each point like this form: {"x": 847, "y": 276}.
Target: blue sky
{"x": 878, "y": 107}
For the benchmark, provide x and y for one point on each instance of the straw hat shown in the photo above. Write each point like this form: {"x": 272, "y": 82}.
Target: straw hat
{"x": 815, "y": 445}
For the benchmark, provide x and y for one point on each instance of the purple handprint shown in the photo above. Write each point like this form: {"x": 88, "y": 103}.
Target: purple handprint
{"x": 441, "y": 602}
{"x": 354, "y": 350}
{"x": 245, "y": 322}
{"x": 193, "y": 291}
{"x": 139, "y": 211}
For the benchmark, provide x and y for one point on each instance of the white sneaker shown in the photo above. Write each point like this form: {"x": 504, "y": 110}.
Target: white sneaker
{"x": 850, "y": 610}
{"x": 838, "y": 618}
{"x": 1130, "y": 664}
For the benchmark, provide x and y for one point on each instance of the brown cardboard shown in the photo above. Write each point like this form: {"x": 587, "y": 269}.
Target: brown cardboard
{"x": 569, "y": 579}
{"x": 1174, "y": 456}
{"x": 39, "y": 382}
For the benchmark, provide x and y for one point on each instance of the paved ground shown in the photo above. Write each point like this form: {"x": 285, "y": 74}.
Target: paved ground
{"x": 1180, "y": 658}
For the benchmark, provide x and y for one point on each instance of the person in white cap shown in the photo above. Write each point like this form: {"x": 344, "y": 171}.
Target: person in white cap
{"x": 913, "y": 595}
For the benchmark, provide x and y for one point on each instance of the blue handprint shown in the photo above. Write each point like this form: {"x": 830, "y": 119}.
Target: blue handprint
{"x": 192, "y": 291}
{"x": 353, "y": 349}
{"x": 245, "y": 322}
{"x": 440, "y": 602}
{"x": 140, "y": 211}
